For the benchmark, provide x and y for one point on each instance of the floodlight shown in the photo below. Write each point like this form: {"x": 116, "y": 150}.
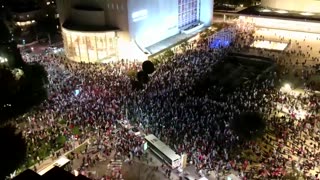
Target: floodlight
{"x": 286, "y": 87}
{"x": 265, "y": 10}
{"x": 282, "y": 12}
{"x": 3, "y": 60}
{"x": 306, "y": 14}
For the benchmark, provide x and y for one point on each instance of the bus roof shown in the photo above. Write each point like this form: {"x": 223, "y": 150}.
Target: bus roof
{"x": 162, "y": 147}
{"x": 59, "y": 162}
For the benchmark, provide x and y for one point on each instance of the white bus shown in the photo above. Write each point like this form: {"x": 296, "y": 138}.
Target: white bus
{"x": 62, "y": 162}
{"x": 163, "y": 151}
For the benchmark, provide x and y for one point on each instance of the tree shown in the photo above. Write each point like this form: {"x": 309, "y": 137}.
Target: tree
{"x": 249, "y": 125}
{"x": 13, "y": 150}
{"x": 142, "y": 77}
{"x": 168, "y": 53}
{"x": 148, "y": 67}
{"x": 8, "y": 48}
{"x": 22, "y": 87}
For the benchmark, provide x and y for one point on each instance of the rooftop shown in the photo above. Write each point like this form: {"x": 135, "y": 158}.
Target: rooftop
{"x": 77, "y": 27}
{"x": 171, "y": 41}
{"x": 262, "y": 11}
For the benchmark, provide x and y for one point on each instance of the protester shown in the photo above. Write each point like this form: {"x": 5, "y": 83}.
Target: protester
{"x": 93, "y": 97}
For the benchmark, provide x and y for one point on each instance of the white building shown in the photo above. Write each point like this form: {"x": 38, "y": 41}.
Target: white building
{"x": 99, "y": 30}
{"x": 308, "y": 6}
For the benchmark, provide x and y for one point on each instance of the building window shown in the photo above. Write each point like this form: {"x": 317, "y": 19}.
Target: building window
{"x": 188, "y": 12}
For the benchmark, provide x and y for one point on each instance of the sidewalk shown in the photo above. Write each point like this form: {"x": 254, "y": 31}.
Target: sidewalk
{"x": 49, "y": 160}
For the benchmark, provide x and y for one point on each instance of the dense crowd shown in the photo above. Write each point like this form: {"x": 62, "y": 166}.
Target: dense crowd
{"x": 92, "y": 97}
{"x": 200, "y": 126}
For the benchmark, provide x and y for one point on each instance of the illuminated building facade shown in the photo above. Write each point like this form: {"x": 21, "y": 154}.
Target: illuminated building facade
{"x": 310, "y": 6}
{"x": 90, "y": 46}
{"x": 94, "y": 31}
{"x": 25, "y": 16}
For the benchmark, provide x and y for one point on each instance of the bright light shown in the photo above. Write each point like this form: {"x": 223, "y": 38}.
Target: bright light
{"x": 306, "y": 14}
{"x": 265, "y": 10}
{"x": 25, "y": 23}
{"x": 3, "y": 60}
{"x": 282, "y": 12}
{"x": 89, "y": 46}
{"x": 76, "y": 92}
{"x": 286, "y": 88}
{"x": 18, "y": 73}
{"x": 139, "y": 15}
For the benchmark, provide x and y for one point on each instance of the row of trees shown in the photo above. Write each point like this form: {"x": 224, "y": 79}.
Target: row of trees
{"x": 22, "y": 87}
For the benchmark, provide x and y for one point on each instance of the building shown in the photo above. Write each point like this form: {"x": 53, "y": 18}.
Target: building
{"x": 26, "y": 16}
{"x": 288, "y": 15}
{"x": 310, "y": 6}
{"x": 95, "y": 31}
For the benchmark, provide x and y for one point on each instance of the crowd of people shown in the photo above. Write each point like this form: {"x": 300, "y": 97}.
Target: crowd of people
{"x": 200, "y": 126}
{"x": 93, "y": 97}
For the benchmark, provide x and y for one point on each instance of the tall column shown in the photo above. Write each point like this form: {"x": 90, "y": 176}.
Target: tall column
{"x": 88, "y": 56}
{"x": 96, "y": 47}
{"x": 107, "y": 44}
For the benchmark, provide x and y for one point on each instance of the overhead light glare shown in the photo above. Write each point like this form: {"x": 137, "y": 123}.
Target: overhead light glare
{"x": 265, "y": 10}
{"x": 306, "y": 14}
{"x": 282, "y": 12}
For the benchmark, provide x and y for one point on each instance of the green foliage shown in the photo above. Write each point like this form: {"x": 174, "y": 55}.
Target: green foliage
{"x": 76, "y": 130}
{"x": 132, "y": 73}
{"x": 249, "y": 125}
{"x": 168, "y": 53}
{"x": 19, "y": 95}
{"x": 61, "y": 140}
{"x": 62, "y": 122}
{"x": 22, "y": 87}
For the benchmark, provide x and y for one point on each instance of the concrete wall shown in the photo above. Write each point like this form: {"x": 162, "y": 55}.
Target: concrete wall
{"x": 299, "y": 26}
{"x": 86, "y": 17}
{"x": 293, "y": 5}
{"x": 206, "y": 12}
{"x": 116, "y": 15}
{"x": 64, "y": 9}
{"x": 151, "y": 21}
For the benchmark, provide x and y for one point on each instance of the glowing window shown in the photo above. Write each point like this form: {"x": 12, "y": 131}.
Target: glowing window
{"x": 188, "y": 12}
